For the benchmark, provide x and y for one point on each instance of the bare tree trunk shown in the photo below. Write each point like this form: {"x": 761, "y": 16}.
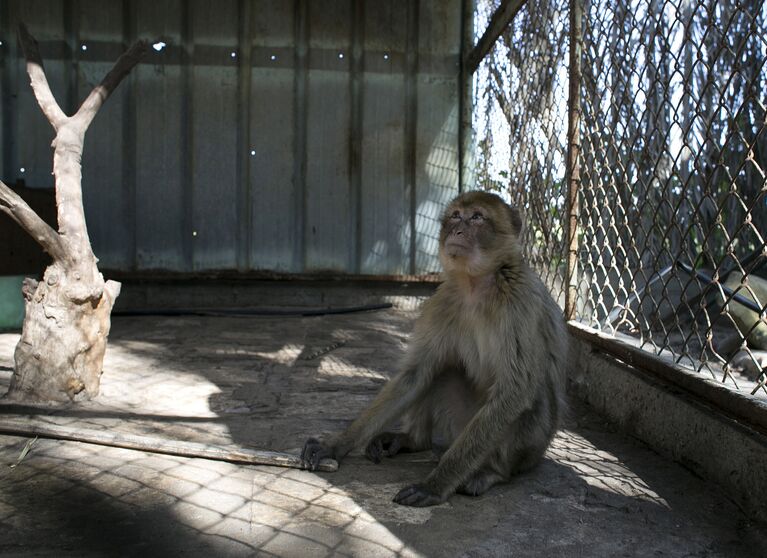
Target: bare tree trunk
{"x": 61, "y": 351}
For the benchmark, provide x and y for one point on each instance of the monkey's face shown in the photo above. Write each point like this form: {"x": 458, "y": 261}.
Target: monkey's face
{"x": 477, "y": 227}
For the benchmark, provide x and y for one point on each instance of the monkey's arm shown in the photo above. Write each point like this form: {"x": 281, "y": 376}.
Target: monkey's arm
{"x": 472, "y": 447}
{"x": 395, "y": 398}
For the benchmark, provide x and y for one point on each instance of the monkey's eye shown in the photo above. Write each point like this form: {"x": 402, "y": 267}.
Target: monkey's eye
{"x": 455, "y": 214}
{"x": 477, "y": 216}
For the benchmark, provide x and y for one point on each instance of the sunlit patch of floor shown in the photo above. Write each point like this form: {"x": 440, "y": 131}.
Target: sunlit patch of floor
{"x": 335, "y": 366}
{"x": 599, "y": 468}
{"x": 277, "y": 511}
{"x": 328, "y": 517}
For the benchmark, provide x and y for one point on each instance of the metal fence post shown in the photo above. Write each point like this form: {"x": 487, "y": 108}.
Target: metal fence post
{"x": 573, "y": 155}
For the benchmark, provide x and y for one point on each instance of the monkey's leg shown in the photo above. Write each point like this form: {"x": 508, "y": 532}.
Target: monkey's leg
{"x": 394, "y": 399}
{"x": 434, "y": 421}
{"x": 481, "y": 482}
{"x": 414, "y": 433}
{"x": 474, "y": 447}
{"x": 532, "y": 432}
{"x": 521, "y": 455}
{"x": 453, "y": 402}
{"x": 528, "y": 437}
{"x": 389, "y": 444}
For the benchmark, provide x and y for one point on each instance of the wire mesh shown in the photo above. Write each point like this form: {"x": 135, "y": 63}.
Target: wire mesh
{"x": 673, "y": 192}
{"x": 520, "y": 122}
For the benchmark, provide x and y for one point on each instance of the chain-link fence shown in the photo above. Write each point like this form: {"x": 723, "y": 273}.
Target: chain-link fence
{"x": 672, "y": 196}
{"x": 520, "y": 122}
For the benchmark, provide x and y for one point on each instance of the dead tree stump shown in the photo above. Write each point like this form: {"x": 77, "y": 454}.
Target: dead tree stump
{"x": 61, "y": 351}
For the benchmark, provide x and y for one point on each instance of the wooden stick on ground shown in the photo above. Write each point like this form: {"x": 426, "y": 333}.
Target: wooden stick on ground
{"x": 157, "y": 445}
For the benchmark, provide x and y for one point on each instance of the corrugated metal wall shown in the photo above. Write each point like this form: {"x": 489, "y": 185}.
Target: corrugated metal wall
{"x": 287, "y": 135}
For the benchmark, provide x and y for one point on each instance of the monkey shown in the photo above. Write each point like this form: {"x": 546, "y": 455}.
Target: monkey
{"x": 482, "y": 380}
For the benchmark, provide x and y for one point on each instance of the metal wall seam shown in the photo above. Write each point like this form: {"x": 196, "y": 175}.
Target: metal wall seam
{"x": 187, "y": 140}
{"x": 411, "y": 123}
{"x": 244, "y": 193}
{"x": 355, "y": 136}
{"x": 129, "y": 134}
{"x": 299, "y": 137}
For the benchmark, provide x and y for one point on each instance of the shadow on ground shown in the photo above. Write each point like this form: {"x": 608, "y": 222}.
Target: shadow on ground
{"x": 270, "y": 382}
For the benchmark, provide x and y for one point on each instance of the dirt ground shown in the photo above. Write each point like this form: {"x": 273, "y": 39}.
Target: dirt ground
{"x": 269, "y": 382}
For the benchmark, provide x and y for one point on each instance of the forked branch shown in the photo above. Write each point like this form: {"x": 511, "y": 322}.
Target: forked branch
{"x": 70, "y": 132}
{"x": 38, "y": 80}
{"x": 101, "y": 92}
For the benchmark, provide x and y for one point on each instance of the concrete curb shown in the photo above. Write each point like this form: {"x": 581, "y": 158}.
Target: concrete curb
{"x": 676, "y": 423}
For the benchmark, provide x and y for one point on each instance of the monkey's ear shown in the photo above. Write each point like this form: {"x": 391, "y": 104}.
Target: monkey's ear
{"x": 516, "y": 220}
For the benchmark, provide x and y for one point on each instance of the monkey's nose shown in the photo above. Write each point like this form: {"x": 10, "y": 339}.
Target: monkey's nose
{"x": 458, "y": 232}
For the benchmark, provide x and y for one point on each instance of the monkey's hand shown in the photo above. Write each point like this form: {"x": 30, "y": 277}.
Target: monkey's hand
{"x": 314, "y": 451}
{"x": 387, "y": 444}
{"x": 418, "y": 496}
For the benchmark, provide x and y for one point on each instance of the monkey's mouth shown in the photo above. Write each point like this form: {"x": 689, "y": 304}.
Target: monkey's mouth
{"x": 455, "y": 247}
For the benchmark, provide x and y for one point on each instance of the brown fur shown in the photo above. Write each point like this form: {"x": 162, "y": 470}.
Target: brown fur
{"x": 484, "y": 374}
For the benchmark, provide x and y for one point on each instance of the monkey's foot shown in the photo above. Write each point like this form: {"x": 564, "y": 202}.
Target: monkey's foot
{"x": 387, "y": 444}
{"x": 418, "y": 496}
{"x": 480, "y": 483}
{"x": 314, "y": 451}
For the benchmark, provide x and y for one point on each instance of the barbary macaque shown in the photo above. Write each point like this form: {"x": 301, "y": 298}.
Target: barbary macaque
{"x": 483, "y": 378}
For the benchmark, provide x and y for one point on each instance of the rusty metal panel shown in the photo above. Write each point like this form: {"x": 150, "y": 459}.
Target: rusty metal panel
{"x": 266, "y": 135}
{"x": 107, "y": 196}
{"x": 328, "y": 231}
{"x": 159, "y": 91}
{"x": 384, "y": 229}
{"x": 272, "y": 138}
{"x": 214, "y": 133}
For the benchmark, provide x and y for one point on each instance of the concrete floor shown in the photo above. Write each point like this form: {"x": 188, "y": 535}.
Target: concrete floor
{"x": 261, "y": 382}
